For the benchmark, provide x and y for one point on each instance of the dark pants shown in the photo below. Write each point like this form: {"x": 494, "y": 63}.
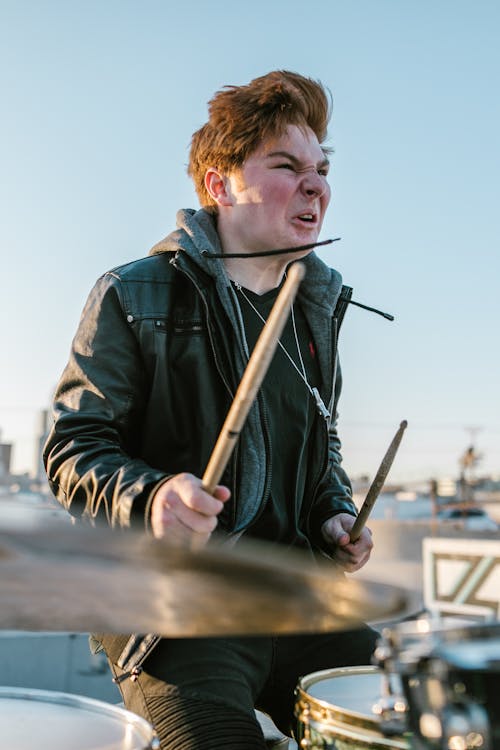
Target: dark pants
{"x": 201, "y": 692}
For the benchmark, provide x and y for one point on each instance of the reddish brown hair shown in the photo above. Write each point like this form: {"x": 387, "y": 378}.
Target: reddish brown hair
{"x": 241, "y": 117}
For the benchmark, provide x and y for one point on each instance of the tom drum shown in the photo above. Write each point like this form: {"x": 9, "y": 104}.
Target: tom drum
{"x": 45, "y": 720}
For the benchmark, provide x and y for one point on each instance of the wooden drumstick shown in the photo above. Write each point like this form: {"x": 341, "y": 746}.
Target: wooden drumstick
{"x": 377, "y": 483}
{"x": 253, "y": 376}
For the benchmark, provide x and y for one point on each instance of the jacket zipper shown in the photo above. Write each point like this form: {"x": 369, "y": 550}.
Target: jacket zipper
{"x": 325, "y": 425}
{"x": 335, "y": 336}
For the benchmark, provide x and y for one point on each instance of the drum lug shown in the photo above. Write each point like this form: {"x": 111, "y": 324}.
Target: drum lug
{"x": 392, "y": 708}
{"x": 393, "y": 712}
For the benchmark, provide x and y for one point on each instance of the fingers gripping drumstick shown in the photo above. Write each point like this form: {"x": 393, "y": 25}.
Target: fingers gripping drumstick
{"x": 253, "y": 376}
{"x": 377, "y": 483}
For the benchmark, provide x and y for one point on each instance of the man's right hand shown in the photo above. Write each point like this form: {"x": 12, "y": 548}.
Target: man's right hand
{"x": 183, "y": 511}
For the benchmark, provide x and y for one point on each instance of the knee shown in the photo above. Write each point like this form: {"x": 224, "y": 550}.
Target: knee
{"x": 186, "y": 721}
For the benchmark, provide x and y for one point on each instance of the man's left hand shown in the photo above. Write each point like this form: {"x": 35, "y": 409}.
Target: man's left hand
{"x": 351, "y": 556}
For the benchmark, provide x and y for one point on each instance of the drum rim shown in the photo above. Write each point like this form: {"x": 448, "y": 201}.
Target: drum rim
{"x": 72, "y": 700}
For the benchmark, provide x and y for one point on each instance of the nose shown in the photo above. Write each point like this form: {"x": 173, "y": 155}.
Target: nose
{"x": 313, "y": 183}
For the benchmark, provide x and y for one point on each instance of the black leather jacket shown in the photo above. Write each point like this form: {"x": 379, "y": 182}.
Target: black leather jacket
{"x": 153, "y": 368}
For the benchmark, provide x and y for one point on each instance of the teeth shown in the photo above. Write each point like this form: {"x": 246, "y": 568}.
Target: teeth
{"x": 307, "y": 217}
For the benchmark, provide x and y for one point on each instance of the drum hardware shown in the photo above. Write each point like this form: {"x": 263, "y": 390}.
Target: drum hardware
{"x": 450, "y": 675}
{"x": 461, "y": 727}
{"x": 391, "y": 707}
{"x": 442, "y": 715}
{"x": 452, "y": 725}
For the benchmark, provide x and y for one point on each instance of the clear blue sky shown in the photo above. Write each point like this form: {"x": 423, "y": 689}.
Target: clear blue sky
{"x": 99, "y": 100}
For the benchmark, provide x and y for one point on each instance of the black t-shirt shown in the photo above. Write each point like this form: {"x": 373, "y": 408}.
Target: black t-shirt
{"x": 290, "y": 412}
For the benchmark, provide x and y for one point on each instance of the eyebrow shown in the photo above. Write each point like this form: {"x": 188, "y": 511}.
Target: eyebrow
{"x": 287, "y": 155}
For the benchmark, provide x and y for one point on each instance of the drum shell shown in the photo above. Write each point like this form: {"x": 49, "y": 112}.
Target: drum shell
{"x": 324, "y": 725}
{"x": 34, "y": 719}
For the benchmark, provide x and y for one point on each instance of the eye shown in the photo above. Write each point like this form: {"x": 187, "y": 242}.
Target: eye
{"x": 323, "y": 171}
{"x": 286, "y": 165}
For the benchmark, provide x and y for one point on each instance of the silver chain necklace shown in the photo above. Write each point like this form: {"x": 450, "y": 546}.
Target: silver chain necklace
{"x": 320, "y": 406}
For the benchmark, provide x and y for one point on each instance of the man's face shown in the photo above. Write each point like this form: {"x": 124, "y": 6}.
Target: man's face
{"x": 280, "y": 195}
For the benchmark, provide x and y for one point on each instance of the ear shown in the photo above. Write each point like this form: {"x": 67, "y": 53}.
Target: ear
{"x": 218, "y": 187}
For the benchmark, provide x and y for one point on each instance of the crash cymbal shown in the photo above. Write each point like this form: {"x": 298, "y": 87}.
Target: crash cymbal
{"x": 56, "y": 576}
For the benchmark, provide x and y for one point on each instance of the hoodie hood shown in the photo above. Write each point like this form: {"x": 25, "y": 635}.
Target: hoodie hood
{"x": 196, "y": 235}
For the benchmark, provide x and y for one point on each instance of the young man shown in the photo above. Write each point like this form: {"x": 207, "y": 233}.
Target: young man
{"x": 159, "y": 353}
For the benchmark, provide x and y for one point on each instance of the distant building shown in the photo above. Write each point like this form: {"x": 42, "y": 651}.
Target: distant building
{"x": 5, "y": 457}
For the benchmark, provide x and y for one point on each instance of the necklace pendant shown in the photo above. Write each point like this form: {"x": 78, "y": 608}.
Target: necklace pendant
{"x": 322, "y": 410}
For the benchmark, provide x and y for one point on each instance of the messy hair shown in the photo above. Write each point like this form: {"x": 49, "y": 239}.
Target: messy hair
{"x": 241, "y": 117}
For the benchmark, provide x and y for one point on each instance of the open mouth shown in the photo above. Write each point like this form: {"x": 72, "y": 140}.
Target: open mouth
{"x": 307, "y": 218}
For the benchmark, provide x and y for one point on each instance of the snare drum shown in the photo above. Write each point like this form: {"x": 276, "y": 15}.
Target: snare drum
{"x": 45, "y": 720}
{"x": 334, "y": 711}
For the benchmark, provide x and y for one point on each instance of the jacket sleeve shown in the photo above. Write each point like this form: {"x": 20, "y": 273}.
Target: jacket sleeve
{"x": 89, "y": 453}
{"x": 334, "y": 494}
